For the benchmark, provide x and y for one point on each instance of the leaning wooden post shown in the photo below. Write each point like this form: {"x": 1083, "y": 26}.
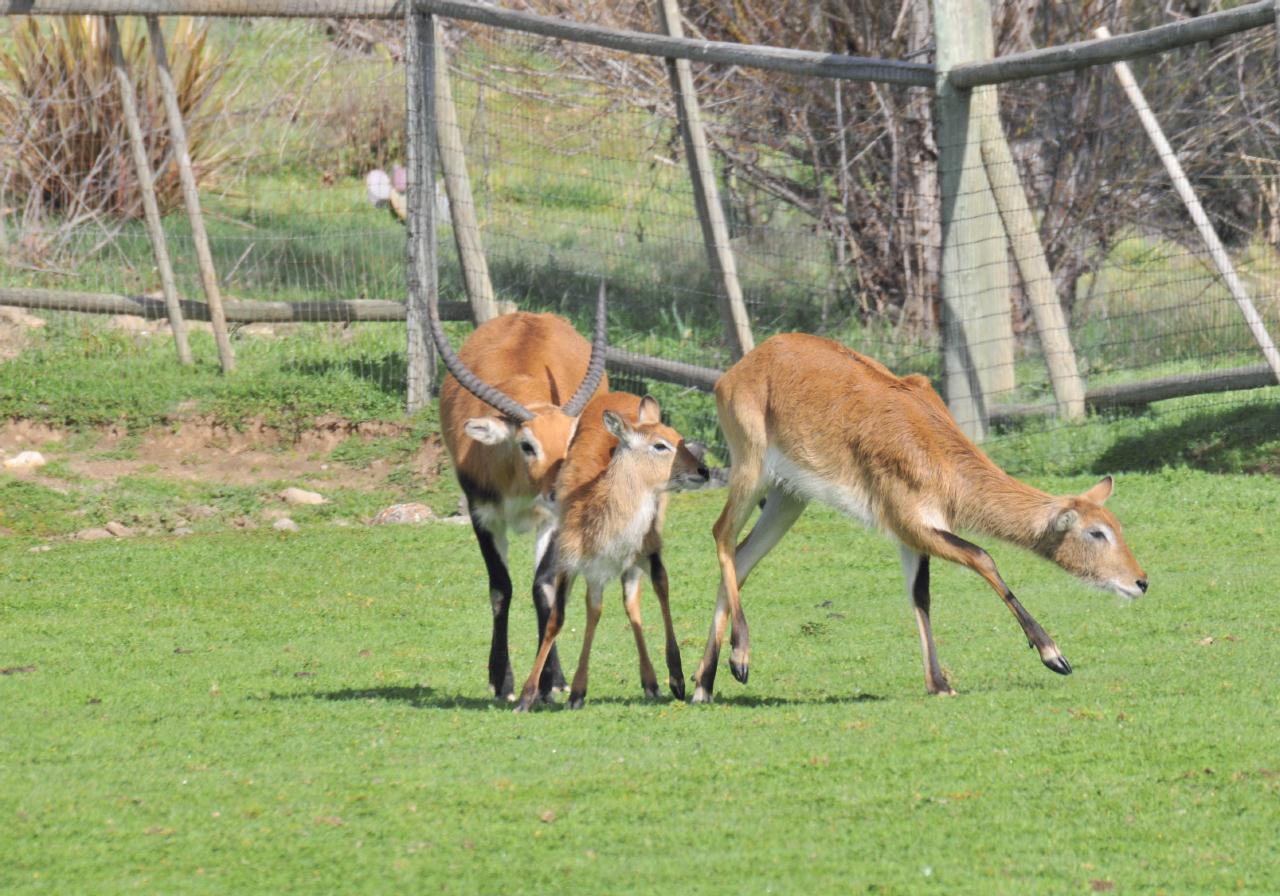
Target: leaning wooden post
{"x": 977, "y": 350}
{"x": 191, "y": 197}
{"x": 1024, "y": 240}
{"x": 1188, "y": 196}
{"x": 146, "y": 185}
{"x": 462, "y": 208}
{"x": 715, "y": 232}
{"x": 421, "y": 221}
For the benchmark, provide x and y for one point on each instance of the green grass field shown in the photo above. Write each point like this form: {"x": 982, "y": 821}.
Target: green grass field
{"x": 254, "y": 712}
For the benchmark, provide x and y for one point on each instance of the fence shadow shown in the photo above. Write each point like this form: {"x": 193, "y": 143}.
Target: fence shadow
{"x": 1216, "y": 441}
{"x": 388, "y": 373}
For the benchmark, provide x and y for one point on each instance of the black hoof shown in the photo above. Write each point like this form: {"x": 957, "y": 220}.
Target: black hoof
{"x": 1059, "y": 664}
{"x": 576, "y": 701}
{"x": 677, "y": 688}
{"x": 739, "y": 671}
{"x": 502, "y": 687}
{"x": 651, "y": 691}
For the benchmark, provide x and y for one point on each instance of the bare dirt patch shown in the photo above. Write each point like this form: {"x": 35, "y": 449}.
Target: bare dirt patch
{"x": 203, "y": 450}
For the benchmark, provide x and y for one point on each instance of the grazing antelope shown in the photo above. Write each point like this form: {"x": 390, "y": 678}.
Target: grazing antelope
{"x": 808, "y": 419}
{"x": 525, "y": 367}
{"x": 611, "y": 499}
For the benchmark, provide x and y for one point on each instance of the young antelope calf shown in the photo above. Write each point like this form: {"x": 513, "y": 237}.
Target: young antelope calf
{"x": 611, "y": 499}
{"x": 807, "y": 419}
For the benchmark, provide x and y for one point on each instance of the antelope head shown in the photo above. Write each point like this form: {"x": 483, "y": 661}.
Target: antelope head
{"x": 1084, "y": 538}
{"x": 539, "y": 434}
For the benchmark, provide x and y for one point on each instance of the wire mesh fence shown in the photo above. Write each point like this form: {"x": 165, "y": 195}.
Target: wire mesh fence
{"x": 830, "y": 189}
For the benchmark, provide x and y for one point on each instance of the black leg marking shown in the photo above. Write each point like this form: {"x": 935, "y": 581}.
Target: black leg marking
{"x": 1037, "y": 637}
{"x": 920, "y": 587}
{"x": 708, "y": 682}
{"x": 675, "y": 669}
{"x": 544, "y": 579}
{"x": 500, "y": 678}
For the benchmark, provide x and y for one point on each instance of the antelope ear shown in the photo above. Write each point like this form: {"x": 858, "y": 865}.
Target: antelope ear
{"x": 1065, "y": 520}
{"x": 487, "y": 430}
{"x": 617, "y": 427}
{"x": 649, "y": 410}
{"x": 1100, "y": 492}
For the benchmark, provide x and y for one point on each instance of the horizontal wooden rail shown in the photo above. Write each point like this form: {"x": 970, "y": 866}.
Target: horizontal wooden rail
{"x": 1085, "y": 53}
{"x": 246, "y": 311}
{"x": 798, "y": 62}
{"x": 1143, "y": 392}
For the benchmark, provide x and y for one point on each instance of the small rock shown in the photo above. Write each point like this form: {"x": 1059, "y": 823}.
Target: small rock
{"x": 184, "y": 530}
{"x": 93, "y": 534}
{"x": 200, "y": 511}
{"x": 26, "y": 460}
{"x": 119, "y": 530}
{"x": 403, "y": 513}
{"x": 284, "y": 524}
{"x": 302, "y": 496}
{"x": 40, "y": 548}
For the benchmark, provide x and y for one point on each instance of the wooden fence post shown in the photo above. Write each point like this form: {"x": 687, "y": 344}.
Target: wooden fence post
{"x": 191, "y": 197}
{"x": 420, "y": 225}
{"x": 1188, "y": 196}
{"x": 1024, "y": 240}
{"x": 977, "y": 350}
{"x": 146, "y": 185}
{"x": 715, "y": 232}
{"x": 462, "y": 208}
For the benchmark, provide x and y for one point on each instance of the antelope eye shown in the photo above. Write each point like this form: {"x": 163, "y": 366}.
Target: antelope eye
{"x": 527, "y": 449}
{"x": 1097, "y": 535}
{"x": 661, "y": 447}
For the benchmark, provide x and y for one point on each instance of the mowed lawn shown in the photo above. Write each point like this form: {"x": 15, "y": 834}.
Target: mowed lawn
{"x": 264, "y": 713}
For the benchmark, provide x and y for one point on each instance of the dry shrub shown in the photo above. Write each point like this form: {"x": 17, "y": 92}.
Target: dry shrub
{"x": 69, "y": 154}
{"x": 362, "y": 122}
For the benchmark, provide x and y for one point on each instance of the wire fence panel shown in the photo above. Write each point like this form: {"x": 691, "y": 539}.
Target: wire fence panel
{"x": 1146, "y": 304}
{"x": 831, "y": 190}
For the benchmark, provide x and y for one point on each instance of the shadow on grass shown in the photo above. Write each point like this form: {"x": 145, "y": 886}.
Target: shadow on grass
{"x": 424, "y": 697}
{"x": 1238, "y": 440}
{"x": 388, "y": 373}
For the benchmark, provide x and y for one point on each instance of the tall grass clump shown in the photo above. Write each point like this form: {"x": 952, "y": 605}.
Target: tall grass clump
{"x": 69, "y": 161}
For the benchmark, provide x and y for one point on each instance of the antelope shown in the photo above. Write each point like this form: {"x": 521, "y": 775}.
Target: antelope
{"x": 611, "y": 497}
{"x": 807, "y": 419}
{"x": 522, "y": 366}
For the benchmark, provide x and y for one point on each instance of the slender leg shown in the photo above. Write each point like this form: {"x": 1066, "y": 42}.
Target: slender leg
{"x": 915, "y": 569}
{"x": 631, "y": 600}
{"x": 493, "y": 547}
{"x": 780, "y": 512}
{"x": 954, "y": 548}
{"x": 531, "y": 693}
{"x": 675, "y": 673}
{"x": 544, "y": 591}
{"x": 595, "y": 603}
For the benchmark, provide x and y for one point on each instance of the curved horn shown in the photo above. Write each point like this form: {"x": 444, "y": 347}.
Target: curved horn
{"x": 595, "y": 367}
{"x": 462, "y": 373}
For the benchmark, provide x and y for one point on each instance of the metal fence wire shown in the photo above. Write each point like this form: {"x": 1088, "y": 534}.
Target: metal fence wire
{"x": 831, "y": 190}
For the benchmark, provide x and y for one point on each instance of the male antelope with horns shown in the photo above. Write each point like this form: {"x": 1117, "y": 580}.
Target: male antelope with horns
{"x": 807, "y": 419}
{"x": 537, "y": 373}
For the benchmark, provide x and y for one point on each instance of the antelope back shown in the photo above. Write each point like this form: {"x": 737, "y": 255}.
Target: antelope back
{"x": 536, "y": 359}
